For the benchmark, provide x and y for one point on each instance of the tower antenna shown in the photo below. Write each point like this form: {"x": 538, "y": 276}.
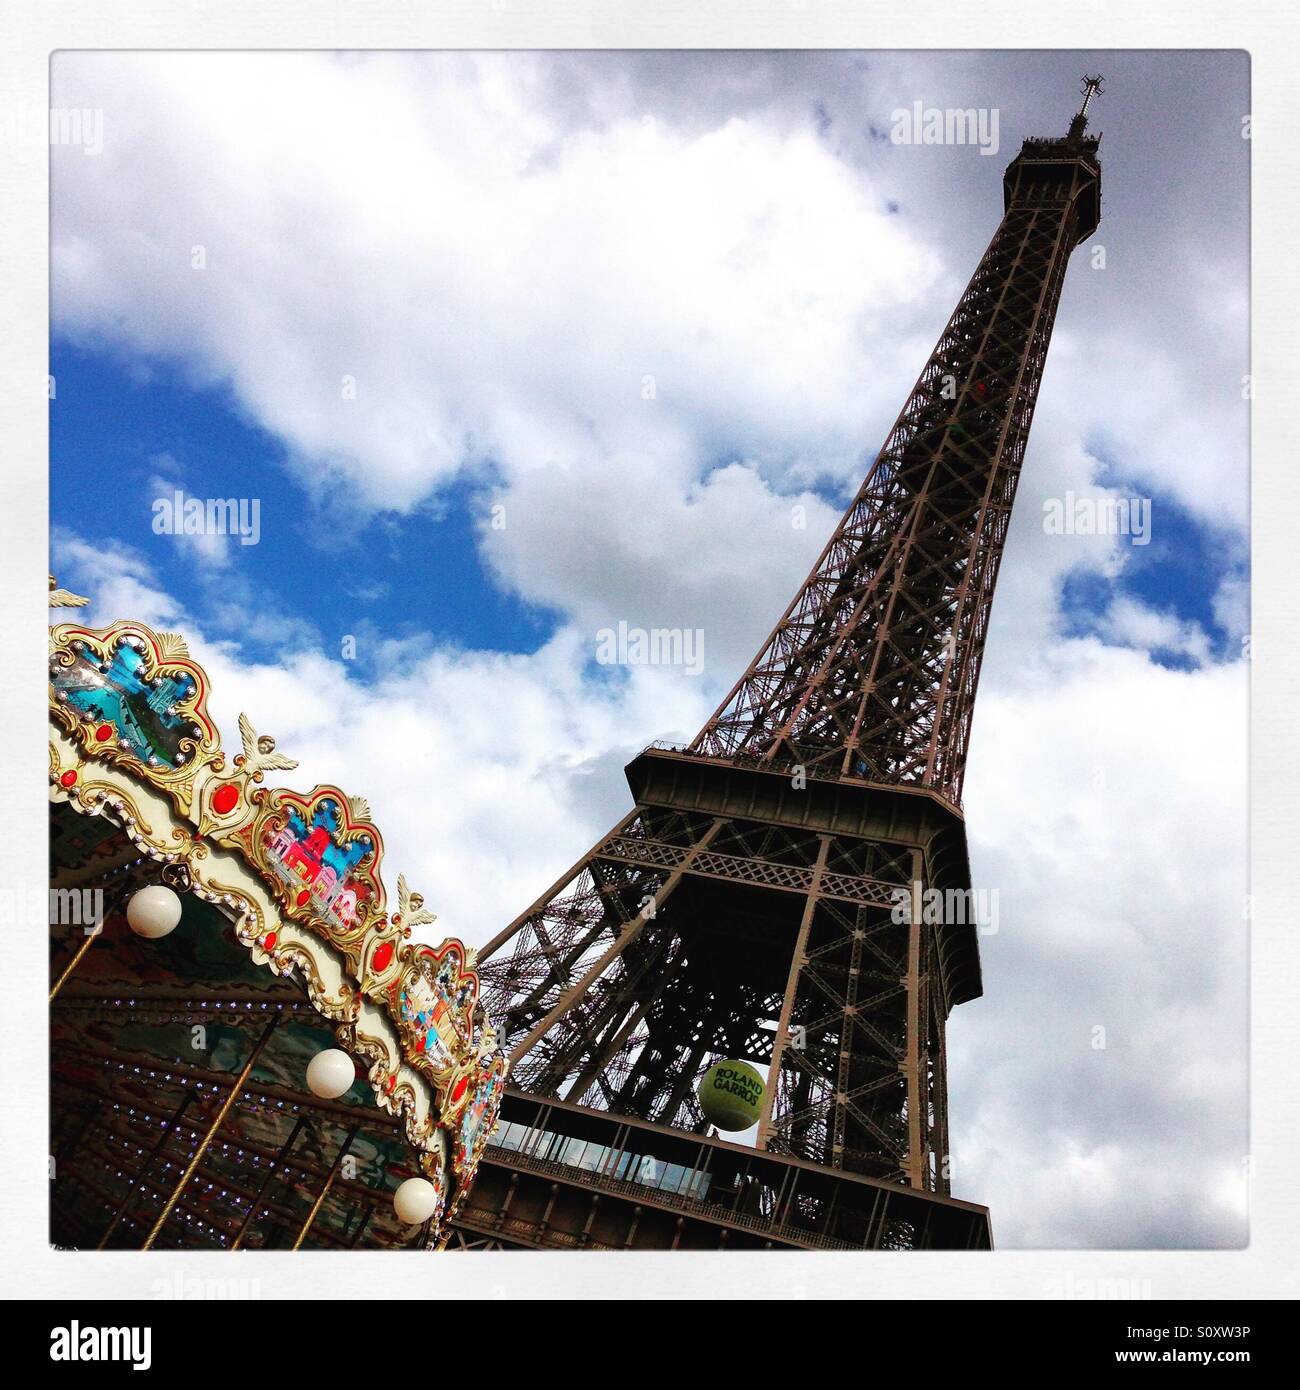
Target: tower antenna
{"x": 1090, "y": 87}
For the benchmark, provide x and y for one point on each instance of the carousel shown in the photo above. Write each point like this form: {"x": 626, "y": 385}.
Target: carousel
{"x": 248, "y": 1050}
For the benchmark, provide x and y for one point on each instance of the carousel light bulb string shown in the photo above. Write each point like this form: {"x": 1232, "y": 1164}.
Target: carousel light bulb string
{"x": 236, "y": 1153}
{"x": 241, "y": 1201}
{"x": 231, "y": 1151}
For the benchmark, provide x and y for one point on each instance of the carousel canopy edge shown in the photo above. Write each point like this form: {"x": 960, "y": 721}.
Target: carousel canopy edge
{"x": 130, "y": 706}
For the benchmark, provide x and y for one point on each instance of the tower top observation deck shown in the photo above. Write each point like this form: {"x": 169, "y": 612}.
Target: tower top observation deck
{"x": 1053, "y": 166}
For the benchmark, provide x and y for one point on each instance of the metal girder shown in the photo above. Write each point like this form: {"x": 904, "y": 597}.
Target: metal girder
{"x": 872, "y": 670}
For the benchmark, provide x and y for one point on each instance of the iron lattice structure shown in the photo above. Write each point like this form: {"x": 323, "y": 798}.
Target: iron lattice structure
{"x": 764, "y": 899}
{"x": 871, "y": 672}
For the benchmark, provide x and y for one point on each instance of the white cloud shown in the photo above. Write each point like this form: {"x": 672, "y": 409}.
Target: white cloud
{"x": 486, "y": 289}
{"x": 1104, "y": 803}
{"x": 1128, "y": 622}
{"x": 115, "y": 578}
{"x": 1231, "y": 604}
{"x": 624, "y": 544}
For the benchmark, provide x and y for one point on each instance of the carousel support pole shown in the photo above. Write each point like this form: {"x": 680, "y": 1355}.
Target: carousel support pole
{"x": 216, "y": 1124}
{"x": 273, "y": 1172}
{"x": 329, "y": 1182}
{"x": 169, "y": 1129}
{"x": 74, "y": 962}
{"x": 86, "y": 944}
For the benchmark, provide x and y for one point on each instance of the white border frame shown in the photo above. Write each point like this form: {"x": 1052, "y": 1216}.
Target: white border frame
{"x": 1267, "y": 30}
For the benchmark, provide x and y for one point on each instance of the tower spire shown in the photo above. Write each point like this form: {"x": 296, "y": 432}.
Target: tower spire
{"x": 1090, "y": 87}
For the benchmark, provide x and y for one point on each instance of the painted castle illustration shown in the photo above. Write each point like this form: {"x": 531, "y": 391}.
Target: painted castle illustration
{"x": 312, "y": 857}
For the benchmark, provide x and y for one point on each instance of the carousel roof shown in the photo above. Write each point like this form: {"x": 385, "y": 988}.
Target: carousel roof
{"x": 188, "y": 1054}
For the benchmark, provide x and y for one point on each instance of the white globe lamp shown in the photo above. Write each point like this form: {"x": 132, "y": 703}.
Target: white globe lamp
{"x": 330, "y": 1074}
{"x": 153, "y": 911}
{"x": 415, "y": 1201}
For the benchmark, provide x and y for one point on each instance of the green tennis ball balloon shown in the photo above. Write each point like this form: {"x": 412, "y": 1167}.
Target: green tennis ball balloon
{"x": 731, "y": 1095}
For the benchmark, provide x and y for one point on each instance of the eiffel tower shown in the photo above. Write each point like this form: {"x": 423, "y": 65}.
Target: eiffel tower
{"x": 768, "y": 897}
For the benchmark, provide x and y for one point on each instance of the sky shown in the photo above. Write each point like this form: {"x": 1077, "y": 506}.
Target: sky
{"x": 510, "y": 349}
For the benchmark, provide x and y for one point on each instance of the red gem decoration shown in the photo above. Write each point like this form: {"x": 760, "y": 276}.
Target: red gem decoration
{"x": 390, "y": 1083}
{"x": 458, "y": 1089}
{"x": 304, "y": 898}
{"x": 68, "y": 779}
{"x": 382, "y": 958}
{"x": 103, "y": 733}
{"x": 224, "y": 798}
{"x": 269, "y": 940}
